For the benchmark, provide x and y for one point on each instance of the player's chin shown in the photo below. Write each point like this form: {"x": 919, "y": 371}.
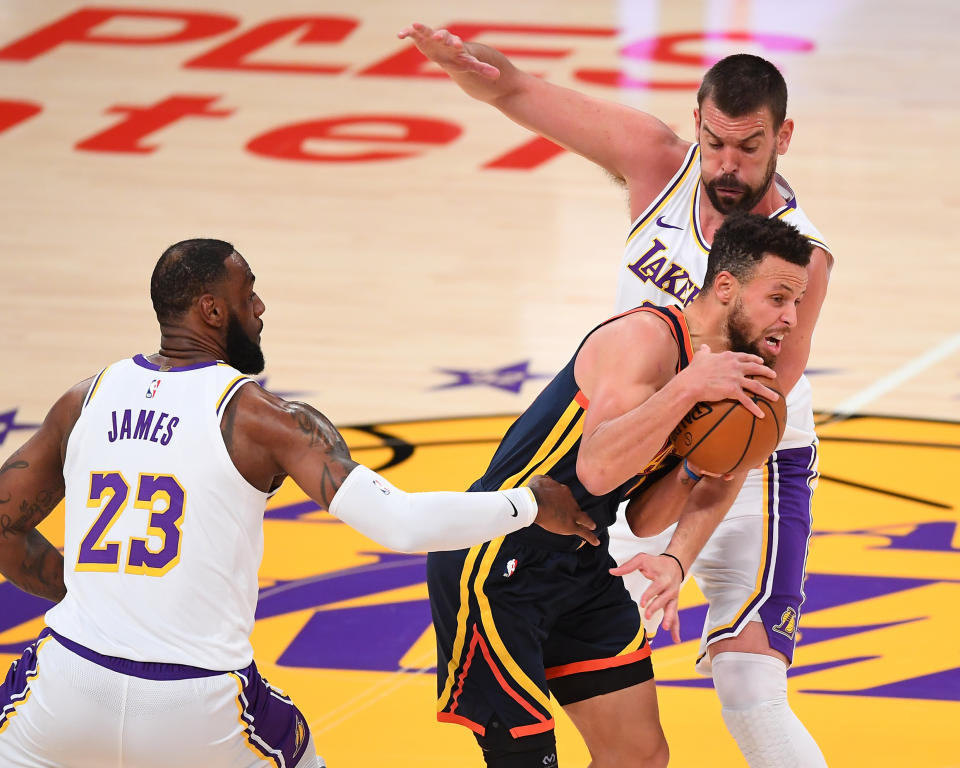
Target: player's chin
{"x": 767, "y": 354}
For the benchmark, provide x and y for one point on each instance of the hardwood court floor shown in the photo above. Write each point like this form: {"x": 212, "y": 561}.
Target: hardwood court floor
{"x": 344, "y": 625}
{"x": 426, "y": 265}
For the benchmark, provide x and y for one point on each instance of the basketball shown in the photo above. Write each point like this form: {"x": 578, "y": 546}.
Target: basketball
{"x": 724, "y": 437}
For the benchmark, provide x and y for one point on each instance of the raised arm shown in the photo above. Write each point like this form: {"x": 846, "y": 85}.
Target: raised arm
{"x": 31, "y": 485}
{"x": 626, "y": 370}
{"x": 268, "y": 438}
{"x": 631, "y": 145}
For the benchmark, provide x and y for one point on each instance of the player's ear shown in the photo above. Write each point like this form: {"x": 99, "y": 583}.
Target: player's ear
{"x": 696, "y": 122}
{"x": 725, "y": 287}
{"x": 784, "y": 134}
{"x": 212, "y": 310}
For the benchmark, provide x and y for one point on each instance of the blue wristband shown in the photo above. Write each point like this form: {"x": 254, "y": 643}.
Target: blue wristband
{"x": 690, "y": 473}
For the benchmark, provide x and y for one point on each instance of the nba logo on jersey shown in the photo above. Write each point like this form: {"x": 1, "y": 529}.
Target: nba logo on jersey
{"x": 788, "y": 623}
{"x": 511, "y": 567}
{"x": 152, "y": 389}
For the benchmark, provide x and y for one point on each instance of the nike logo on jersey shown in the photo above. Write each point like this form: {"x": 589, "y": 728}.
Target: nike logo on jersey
{"x": 662, "y": 223}
{"x": 515, "y": 510}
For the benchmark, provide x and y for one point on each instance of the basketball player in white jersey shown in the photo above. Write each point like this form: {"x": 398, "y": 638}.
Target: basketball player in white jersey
{"x": 752, "y": 568}
{"x": 165, "y": 463}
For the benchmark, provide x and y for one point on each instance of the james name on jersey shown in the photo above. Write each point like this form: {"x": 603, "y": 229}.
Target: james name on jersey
{"x": 145, "y": 429}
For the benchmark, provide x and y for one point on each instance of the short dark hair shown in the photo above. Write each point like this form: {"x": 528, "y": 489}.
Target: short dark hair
{"x": 186, "y": 270}
{"x": 744, "y": 83}
{"x": 745, "y": 238}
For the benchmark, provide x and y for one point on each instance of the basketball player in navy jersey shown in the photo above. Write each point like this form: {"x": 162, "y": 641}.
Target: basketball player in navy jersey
{"x": 679, "y": 194}
{"x": 165, "y": 463}
{"x": 533, "y": 613}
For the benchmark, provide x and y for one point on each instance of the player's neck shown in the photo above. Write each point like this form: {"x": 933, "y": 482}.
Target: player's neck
{"x": 706, "y": 322}
{"x": 180, "y": 346}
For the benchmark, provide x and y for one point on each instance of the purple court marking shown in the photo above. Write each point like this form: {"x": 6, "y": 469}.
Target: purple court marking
{"x": 509, "y": 378}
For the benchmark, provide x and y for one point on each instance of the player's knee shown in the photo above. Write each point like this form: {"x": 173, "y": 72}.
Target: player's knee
{"x": 501, "y": 750}
{"x": 752, "y": 688}
{"x": 744, "y": 680}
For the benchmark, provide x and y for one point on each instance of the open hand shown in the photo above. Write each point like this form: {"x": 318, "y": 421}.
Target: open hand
{"x": 664, "y": 590}
{"x": 558, "y": 511}
{"x": 447, "y": 50}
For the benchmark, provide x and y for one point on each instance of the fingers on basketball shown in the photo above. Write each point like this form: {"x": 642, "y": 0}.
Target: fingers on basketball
{"x": 724, "y": 437}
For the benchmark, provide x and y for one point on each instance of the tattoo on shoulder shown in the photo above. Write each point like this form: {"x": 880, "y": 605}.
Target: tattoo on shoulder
{"x": 318, "y": 429}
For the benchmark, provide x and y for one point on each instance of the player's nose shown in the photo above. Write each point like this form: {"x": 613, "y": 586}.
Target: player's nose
{"x": 729, "y": 160}
{"x": 789, "y": 315}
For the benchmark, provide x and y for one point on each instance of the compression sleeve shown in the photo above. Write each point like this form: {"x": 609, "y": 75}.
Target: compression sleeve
{"x": 430, "y": 521}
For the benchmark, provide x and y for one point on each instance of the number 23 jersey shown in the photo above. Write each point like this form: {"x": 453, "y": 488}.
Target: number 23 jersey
{"x": 163, "y": 536}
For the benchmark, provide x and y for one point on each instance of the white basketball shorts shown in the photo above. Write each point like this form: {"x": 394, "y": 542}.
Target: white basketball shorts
{"x": 753, "y": 566}
{"x": 64, "y": 705}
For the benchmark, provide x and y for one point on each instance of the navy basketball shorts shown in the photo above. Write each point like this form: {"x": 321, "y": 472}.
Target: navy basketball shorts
{"x": 517, "y": 621}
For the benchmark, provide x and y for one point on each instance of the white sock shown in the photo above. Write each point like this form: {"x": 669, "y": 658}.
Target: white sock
{"x": 753, "y": 692}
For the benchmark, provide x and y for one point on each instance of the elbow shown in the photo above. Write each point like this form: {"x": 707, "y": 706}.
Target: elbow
{"x": 402, "y": 539}
{"x": 594, "y": 477}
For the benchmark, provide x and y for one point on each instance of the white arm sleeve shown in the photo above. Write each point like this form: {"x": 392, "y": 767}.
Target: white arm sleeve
{"x": 432, "y": 521}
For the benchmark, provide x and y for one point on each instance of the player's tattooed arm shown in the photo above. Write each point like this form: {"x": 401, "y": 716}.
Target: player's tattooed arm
{"x": 323, "y": 460}
{"x": 31, "y": 486}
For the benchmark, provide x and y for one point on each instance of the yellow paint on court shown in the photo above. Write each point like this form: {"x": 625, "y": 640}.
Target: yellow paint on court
{"x": 369, "y": 718}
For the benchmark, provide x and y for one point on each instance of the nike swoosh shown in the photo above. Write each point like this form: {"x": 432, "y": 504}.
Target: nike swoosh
{"x": 516, "y": 512}
{"x": 662, "y": 223}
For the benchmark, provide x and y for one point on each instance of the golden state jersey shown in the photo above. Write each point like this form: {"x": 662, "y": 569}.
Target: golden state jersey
{"x": 665, "y": 260}
{"x": 545, "y": 439}
{"x": 163, "y": 536}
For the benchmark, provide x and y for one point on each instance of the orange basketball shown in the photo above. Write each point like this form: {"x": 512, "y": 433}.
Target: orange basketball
{"x": 724, "y": 436}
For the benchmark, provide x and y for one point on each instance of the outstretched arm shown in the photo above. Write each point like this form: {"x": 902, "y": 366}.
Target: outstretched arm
{"x": 631, "y": 145}
{"x": 31, "y": 485}
{"x": 297, "y": 440}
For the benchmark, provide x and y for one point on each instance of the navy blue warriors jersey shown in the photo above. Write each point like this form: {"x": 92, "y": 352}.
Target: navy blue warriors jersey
{"x": 545, "y": 439}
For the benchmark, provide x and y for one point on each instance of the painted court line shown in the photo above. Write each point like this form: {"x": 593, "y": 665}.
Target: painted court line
{"x": 914, "y": 367}
{"x": 368, "y": 697}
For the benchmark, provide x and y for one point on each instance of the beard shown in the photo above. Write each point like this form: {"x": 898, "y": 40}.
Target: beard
{"x": 243, "y": 353}
{"x": 738, "y": 331}
{"x": 750, "y": 196}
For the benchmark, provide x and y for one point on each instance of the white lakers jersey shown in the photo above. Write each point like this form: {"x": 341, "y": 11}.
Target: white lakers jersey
{"x": 163, "y": 535}
{"x": 666, "y": 258}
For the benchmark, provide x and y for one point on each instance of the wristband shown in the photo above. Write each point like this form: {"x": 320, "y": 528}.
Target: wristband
{"x": 683, "y": 573}
{"x": 693, "y": 476}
